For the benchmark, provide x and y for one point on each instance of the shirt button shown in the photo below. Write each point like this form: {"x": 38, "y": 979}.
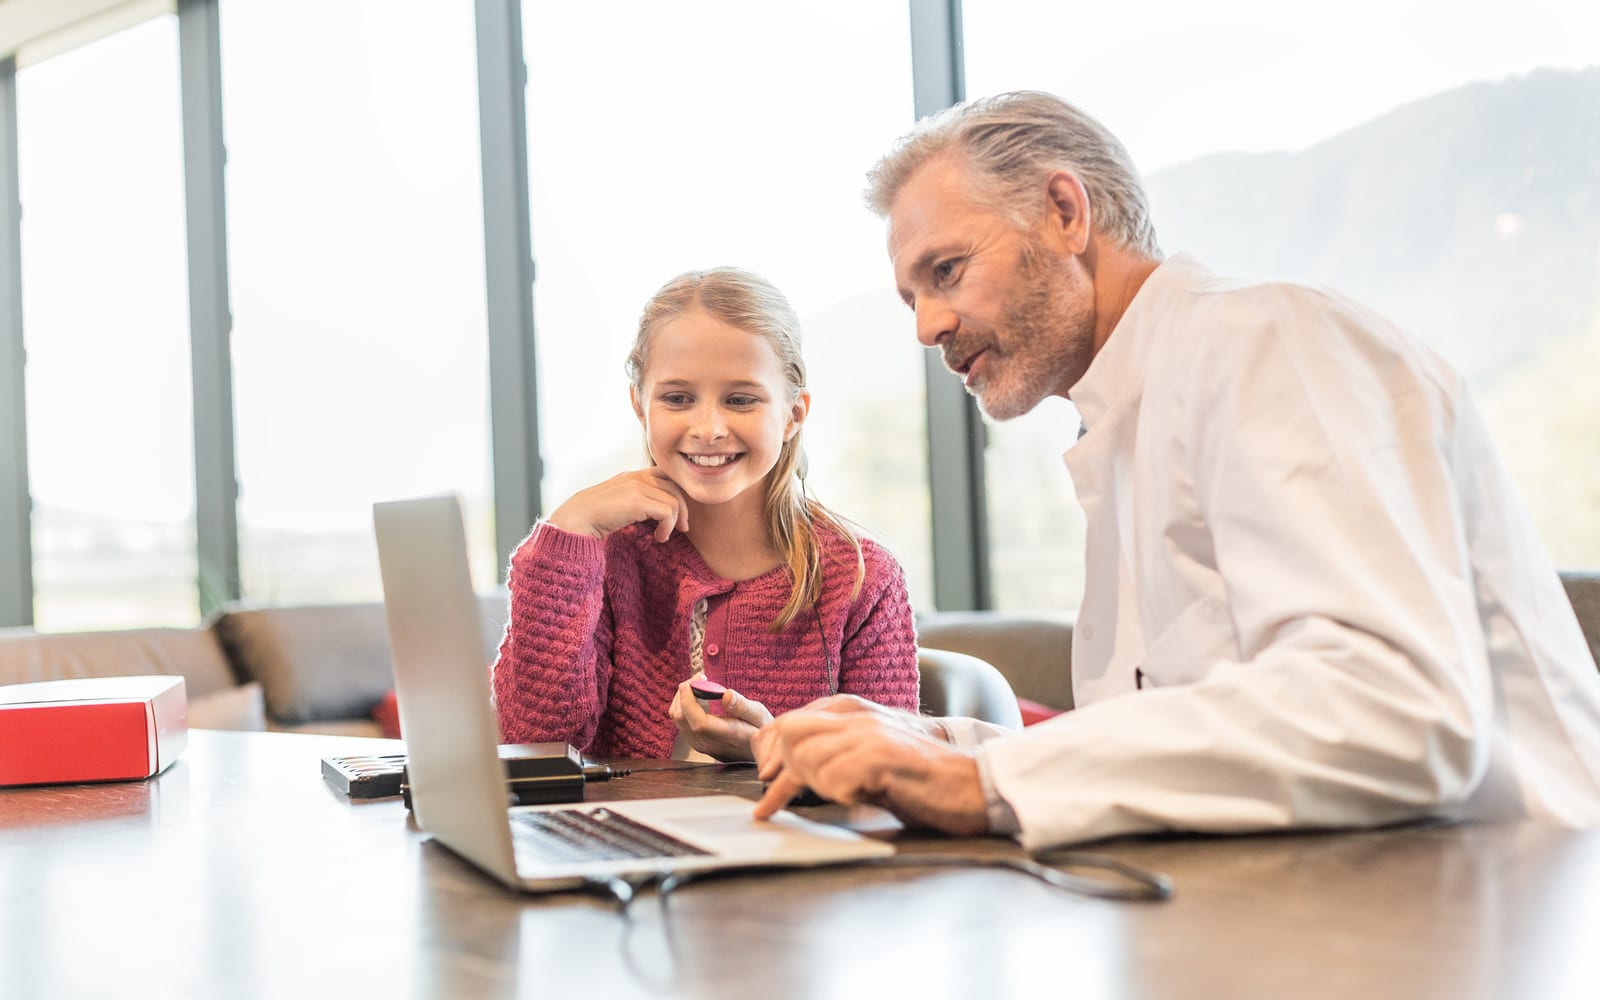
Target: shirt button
{"x": 1088, "y": 633}
{"x": 711, "y": 649}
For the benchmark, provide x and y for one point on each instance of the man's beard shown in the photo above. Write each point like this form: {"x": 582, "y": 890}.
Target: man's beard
{"x": 1050, "y": 327}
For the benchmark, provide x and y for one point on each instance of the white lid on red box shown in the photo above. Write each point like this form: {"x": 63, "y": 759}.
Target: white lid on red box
{"x": 83, "y": 689}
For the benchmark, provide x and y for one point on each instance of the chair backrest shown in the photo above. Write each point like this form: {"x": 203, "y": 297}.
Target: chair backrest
{"x": 958, "y": 684}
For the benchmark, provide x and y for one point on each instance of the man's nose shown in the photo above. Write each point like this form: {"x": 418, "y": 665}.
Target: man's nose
{"x": 935, "y": 323}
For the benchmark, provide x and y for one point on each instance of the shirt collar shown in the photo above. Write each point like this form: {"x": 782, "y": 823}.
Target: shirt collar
{"x": 1116, "y": 375}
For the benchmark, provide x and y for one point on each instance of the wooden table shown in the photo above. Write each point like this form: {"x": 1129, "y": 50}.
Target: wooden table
{"x": 239, "y": 873}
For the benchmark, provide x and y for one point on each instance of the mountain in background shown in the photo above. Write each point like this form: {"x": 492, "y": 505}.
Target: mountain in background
{"x": 1471, "y": 218}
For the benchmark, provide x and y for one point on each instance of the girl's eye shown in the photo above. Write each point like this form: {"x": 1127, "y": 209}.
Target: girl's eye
{"x": 742, "y": 401}
{"x": 675, "y": 398}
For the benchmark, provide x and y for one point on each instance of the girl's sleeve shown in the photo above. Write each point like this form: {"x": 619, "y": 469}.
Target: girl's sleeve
{"x": 878, "y": 660}
{"x": 554, "y": 667}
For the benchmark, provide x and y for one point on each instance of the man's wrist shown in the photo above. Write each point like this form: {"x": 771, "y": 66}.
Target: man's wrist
{"x": 938, "y": 786}
{"x": 1002, "y": 818}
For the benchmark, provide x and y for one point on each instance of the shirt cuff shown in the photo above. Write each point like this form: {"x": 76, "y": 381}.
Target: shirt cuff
{"x": 967, "y": 734}
{"x": 1002, "y": 818}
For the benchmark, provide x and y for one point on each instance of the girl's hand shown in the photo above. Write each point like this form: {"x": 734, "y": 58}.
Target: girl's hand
{"x": 726, "y": 736}
{"x": 640, "y": 495}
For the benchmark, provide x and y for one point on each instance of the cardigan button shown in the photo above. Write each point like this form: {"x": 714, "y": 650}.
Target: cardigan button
{"x": 711, "y": 649}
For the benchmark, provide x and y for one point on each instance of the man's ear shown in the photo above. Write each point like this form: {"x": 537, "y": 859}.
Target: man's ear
{"x": 1068, "y": 217}
{"x": 797, "y": 414}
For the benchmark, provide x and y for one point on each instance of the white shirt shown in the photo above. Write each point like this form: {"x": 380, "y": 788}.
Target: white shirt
{"x": 1312, "y": 598}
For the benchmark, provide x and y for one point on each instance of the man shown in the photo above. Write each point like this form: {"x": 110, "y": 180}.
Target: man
{"x": 1312, "y": 599}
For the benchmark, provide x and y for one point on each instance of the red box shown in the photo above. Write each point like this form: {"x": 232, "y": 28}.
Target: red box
{"x": 91, "y": 729}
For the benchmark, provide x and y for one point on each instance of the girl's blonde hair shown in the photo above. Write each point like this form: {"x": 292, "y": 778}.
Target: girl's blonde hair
{"x": 749, "y": 302}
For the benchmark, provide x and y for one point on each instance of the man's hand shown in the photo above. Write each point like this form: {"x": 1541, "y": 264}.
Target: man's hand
{"x": 898, "y": 717}
{"x": 726, "y": 736}
{"x": 877, "y": 756}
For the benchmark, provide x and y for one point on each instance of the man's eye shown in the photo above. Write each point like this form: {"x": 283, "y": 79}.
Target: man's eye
{"x": 944, "y": 271}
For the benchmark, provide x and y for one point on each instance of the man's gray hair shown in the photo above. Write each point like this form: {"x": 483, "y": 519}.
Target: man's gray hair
{"x": 1010, "y": 144}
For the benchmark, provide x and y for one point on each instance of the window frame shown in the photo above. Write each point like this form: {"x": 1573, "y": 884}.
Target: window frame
{"x": 955, "y": 436}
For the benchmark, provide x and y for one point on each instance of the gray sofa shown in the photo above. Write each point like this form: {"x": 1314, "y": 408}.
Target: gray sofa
{"x": 1583, "y": 590}
{"x": 323, "y": 668}
{"x": 317, "y": 669}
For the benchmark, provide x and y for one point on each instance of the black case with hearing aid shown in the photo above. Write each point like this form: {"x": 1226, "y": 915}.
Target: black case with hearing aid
{"x": 535, "y": 773}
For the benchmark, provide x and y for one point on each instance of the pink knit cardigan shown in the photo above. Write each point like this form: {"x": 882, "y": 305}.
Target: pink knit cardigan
{"x": 599, "y": 637}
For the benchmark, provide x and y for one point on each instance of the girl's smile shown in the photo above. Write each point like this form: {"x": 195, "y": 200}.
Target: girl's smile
{"x": 712, "y": 463}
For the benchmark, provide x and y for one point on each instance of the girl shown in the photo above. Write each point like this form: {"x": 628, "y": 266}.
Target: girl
{"x": 711, "y": 561}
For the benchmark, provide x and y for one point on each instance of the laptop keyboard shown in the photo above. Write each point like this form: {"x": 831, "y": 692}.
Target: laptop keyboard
{"x": 557, "y": 836}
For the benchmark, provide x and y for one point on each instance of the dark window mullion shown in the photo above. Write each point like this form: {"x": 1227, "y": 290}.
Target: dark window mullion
{"x": 16, "y": 540}
{"x": 955, "y": 429}
{"x": 210, "y": 317}
{"x": 508, "y": 272}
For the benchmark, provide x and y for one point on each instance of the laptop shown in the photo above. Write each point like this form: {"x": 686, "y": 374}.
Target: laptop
{"x": 458, "y": 790}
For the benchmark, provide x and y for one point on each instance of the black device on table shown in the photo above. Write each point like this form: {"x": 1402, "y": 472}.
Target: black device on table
{"x": 535, "y": 773}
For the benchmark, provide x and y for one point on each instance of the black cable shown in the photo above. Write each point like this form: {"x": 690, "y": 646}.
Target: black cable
{"x": 661, "y": 976}
{"x": 828, "y": 671}
{"x": 1133, "y": 884}
{"x": 620, "y": 890}
{"x": 695, "y": 765}
{"x": 1129, "y": 884}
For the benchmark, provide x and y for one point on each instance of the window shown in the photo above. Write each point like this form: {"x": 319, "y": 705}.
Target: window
{"x": 725, "y": 133}
{"x": 1440, "y": 163}
{"x": 110, "y": 425}
{"x": 356, "y": 254}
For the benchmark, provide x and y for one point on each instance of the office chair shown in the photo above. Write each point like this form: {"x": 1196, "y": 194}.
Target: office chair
{"x": 958, "y": 684}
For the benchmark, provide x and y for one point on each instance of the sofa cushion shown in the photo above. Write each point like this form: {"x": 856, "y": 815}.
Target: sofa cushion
{"x": 313, "y": 663}
{"x": 1034, "y": 654}
{"x": 327, "y": 661}
{"x": 193, "y": 653}
{"x": 1034, "y": 713}
{"x": 238, "y": 708}
{"x": 386, "y": 713}
{"x": 365, "y": 728}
